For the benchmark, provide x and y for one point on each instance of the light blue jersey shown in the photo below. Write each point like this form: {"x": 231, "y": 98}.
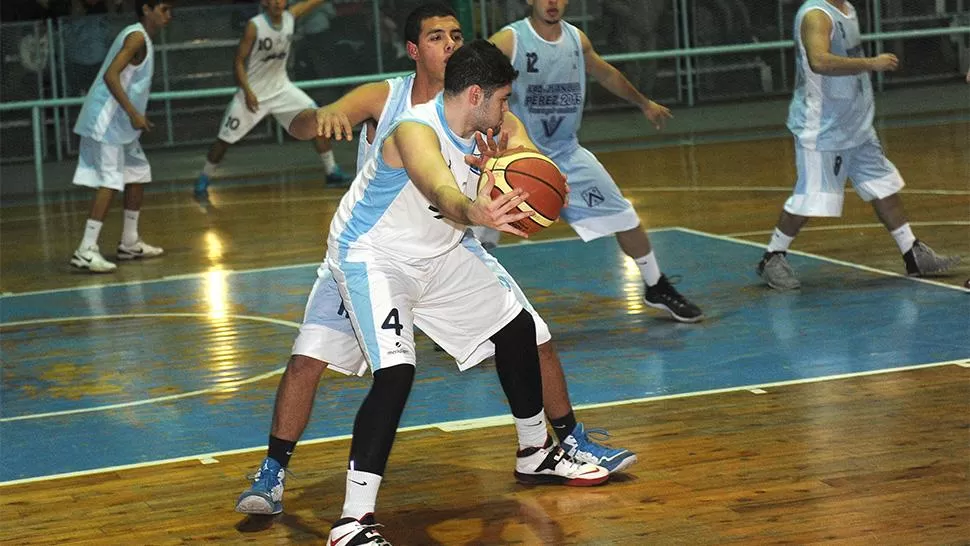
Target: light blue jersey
{"x": 398, "y": 101}
{"x": 549, "y": 93}
{"x": 102, "y": 118}
{"x": 829, "y": 113}
{"x": 384, "y": 211}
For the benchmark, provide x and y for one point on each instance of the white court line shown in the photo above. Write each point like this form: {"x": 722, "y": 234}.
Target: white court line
{"x": 842, "y": 227}
{"x": 772, "y": 189}
{"x": 826, "y": 259}
{"x": 144, "y": 401}
{"x": 204, "y": 274}
{"x": 485, "y": 422}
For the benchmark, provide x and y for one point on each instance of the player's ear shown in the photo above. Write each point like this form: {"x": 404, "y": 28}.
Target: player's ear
{"x": 475, "y": 95}
{"x": 412, "y": 50}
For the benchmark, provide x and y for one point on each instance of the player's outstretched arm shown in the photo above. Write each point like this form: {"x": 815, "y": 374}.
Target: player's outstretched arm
{"x": 816, "y": 32}
{"x": 134, "y": 43}
{"x": 239, "y": 66}
{"x": 302, "y": 8}
{"x": 615, "y": 82}
{"x": 518, "y": 136}
{"x": 337, "y": 119}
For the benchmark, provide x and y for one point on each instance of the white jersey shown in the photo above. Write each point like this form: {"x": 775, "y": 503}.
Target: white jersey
{"x": 384, "y": 212}
{"x": 829, "y": 113}
{"x": 102, "y": 118}
{"x": 266, "y": 66}
{"x": 398, "y": 101}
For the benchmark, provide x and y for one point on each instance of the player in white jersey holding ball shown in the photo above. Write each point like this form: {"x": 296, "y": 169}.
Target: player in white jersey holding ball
{"x": 554, "y": 58}
{"x": 326, "y": 338}
{"x": 831, "y": 116}
{"x": 265, "y": 88}
{"x": 395, "y": 251}
{"x": 110, "y": 158}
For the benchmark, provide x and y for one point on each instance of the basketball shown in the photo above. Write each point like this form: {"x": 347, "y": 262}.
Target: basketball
{"x": 535, "y": 174}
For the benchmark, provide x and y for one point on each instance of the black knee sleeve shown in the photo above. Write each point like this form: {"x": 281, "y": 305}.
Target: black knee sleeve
{"x": 378, "y": 417}
{"x": 517, "y": 362}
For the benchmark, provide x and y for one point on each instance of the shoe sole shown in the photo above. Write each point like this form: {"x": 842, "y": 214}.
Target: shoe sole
{"x": 778, "y": 286}
{"x": 678, "y": 318}
{"x": 84, "y": 266}
{"x": 257, "y": 506}
{"x": 943, "y": 269}
{"x": 127, "y": 256}
{"x": 550, "y": 479}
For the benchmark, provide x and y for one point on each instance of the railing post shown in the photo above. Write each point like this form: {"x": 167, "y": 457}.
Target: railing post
{"x": 877, "y": 28}
{"x": 685, "y": 28}
{"x": 165, "y": 85}
{"x": 67, "y": 116}
{"x": 38, "y": 148}
{"x": 377, "y": 35}
{"x": 781, "y": 52}
{"x": 678, "y": 62}
{"x": 52, "y": 59}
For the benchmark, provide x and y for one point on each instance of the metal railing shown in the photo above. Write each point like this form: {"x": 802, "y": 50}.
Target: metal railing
{"x": 685, "y": 72}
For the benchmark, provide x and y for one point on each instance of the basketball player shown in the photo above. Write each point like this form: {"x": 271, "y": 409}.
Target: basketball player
{"x": 265, "y": 88}
{"x": 326, "y": 338}
{"x": 831, "y": 117}
{"x": 553, "y": 58}
{"x": 395, "y": 250}
{"x": 112, "y": 118}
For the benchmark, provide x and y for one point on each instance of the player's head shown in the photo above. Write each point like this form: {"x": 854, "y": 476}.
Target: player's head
{"x": 486, "y": 74}
{"x": 274, "y": 8}
{"x": 156, "y": 12}
{"x": 548, "y": 11}
{"x": 432, "y": 33}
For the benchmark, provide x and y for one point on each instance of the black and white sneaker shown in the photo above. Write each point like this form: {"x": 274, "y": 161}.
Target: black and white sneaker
{"x": 549, "y": 464}
{"x": 352, "y": 532}
{"x": 137, "y": 251}
{"x": 90, "y": 258}
{"x": 664, "y": 296}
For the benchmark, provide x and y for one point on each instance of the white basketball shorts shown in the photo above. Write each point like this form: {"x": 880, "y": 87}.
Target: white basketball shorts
{"x": 596, "y": 206}
{"x": 328, "y": 335}
{"x": 284, "y": 106}
{"x": 820, "y": 188}
{"x": 103, "y": 165}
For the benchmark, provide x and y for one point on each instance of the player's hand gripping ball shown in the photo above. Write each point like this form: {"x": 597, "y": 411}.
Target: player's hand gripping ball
{"x": 535, "y": 174}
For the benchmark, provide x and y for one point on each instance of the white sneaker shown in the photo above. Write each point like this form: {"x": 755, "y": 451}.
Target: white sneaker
{"x": 90, "y": 258}
{"x": 140, "y": 249}
{"x": 550, "y": 464}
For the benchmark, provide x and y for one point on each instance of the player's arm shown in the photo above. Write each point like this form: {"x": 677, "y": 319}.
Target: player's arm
{"x": 517, "y": 134}
{"x": 816, "y": 32}
{"x": 408, "y": 147}
{"x": 134, "y": 44}
{"x": 504, "y": 40}
{"x": 239, "y": 65}
{"x": 337, "y": 119}
{"x": 615, "y": 82}
{"x": 302, "y": 8}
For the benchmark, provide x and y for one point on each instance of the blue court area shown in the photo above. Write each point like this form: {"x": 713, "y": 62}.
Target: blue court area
{"x": 127, "y": 374}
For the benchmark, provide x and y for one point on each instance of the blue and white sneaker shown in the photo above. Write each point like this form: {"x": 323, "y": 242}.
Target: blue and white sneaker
{"x": 201, "y": 186}
{"x": 338, "y": 179}
{"x": 581, "y": 448}
{"x": 265, "y": 497}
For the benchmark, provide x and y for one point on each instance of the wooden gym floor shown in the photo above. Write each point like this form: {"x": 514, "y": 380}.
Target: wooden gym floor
{"x": 838, "y": 413}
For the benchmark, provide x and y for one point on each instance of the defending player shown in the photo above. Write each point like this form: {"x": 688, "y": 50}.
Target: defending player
{"x": 265, "y": 88}
{"x": 553, "y": 58}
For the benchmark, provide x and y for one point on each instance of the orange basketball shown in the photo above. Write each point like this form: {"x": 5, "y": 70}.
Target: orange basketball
{"x": 535, "y": 174}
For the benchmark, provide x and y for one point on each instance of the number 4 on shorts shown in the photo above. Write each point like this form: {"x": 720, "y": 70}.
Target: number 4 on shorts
{"x": 393, "y": 322}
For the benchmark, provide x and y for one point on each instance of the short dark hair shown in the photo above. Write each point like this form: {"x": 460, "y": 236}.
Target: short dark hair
{"x": 479, "y": 63}
{"x": 140, "y": 4}
{"x": 412, "y": 26}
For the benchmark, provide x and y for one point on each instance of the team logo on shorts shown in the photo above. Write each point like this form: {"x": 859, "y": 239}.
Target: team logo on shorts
{"x": 838, "y": 164}
{"x": 593, "y": 197}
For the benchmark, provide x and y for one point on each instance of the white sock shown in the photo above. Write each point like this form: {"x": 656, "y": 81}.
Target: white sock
{"x": 209, "y": 168}
{"x": 904, "y": 237}
{"x": 532, "y": 431}
{"x": 779, "y": 241}
{"x": 129, "y": 231}
{"x": 649, "y": 268}
{"x": 92, "y": 230}
{"x": 361, "y": 498}
{"x": 329, "y": 163}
